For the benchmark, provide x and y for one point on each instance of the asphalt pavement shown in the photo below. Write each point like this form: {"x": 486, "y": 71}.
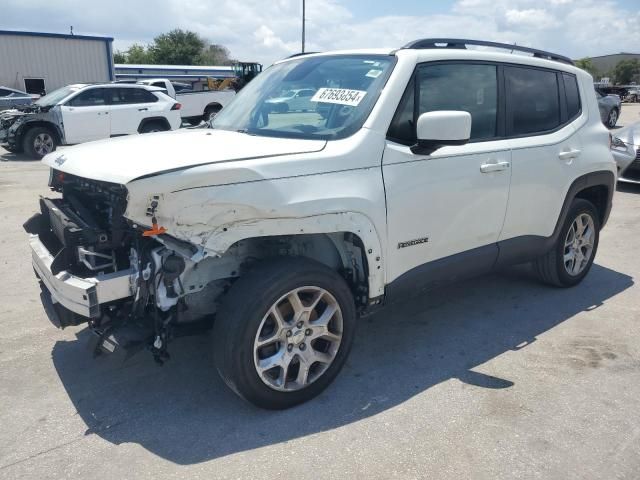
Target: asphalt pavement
{"x": 495, "y": 378}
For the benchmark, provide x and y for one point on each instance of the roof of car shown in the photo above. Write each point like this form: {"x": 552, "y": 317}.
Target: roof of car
{"x": 13, "y": 90}
{"x": 115, "y": 85}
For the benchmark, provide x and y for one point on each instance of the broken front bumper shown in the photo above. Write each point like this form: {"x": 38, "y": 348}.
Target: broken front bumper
{"x": 82, "y": 296}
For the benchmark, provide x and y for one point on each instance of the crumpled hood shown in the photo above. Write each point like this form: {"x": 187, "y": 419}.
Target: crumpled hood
{"x": 124, "y": 159}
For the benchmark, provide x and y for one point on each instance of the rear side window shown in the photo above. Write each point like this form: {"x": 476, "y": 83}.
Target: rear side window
{"x": 572, "y": 95}
{"x": 128, "y": 96}
{"x": 533, "y": 104}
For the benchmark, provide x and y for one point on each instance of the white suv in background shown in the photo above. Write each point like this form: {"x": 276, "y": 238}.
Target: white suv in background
{"x": 413, "y": 167}
{"x": 85, "y": 112}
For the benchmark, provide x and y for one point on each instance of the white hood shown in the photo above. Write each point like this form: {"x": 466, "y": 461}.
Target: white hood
{"x": 124, "y": 159}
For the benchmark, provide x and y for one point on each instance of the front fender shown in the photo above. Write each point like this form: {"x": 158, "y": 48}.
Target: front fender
{"x": 220, "y": 239}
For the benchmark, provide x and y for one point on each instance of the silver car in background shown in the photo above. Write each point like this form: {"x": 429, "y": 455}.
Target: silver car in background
{"x": 609, "y": 106}
{"x": 10, "y": 97}
{"x": 625, "y": 146}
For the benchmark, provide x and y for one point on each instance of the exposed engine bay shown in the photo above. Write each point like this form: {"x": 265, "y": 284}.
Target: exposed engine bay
{"x": 88, "y": 236}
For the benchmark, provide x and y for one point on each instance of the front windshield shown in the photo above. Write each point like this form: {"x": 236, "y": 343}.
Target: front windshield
{"x": 324, "y": 97}
{"x": 54, "y": 97}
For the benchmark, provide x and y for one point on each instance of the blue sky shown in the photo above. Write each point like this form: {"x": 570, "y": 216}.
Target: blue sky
{"x": 269, "y": 30}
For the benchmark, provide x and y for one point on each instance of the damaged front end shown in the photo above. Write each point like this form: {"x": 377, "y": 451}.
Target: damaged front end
{"x": 134, "y": 289}
{"x": 12, "y": 122}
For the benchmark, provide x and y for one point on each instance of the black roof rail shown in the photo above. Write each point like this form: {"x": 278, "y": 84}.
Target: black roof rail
{"x": 460, "y": 43}
{"x": 300, "y": 54}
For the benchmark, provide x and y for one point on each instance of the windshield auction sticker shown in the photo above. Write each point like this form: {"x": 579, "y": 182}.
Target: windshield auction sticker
{"x": 341, "y": 96}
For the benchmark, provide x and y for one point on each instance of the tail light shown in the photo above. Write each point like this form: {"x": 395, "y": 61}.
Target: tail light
{"x": 176, "y": 106}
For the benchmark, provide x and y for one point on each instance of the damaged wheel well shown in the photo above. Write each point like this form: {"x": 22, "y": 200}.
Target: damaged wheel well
{"x": 341, "y": 251}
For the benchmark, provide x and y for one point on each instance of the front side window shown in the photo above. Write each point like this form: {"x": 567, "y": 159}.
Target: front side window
{"x": 88, "y": 98}
{"x": 465, "y": 87}
{"x": 532, "y": 100}
{"x": 340, "y": 91}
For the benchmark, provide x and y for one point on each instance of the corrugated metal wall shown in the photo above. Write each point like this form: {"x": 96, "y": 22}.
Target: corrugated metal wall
{"x": 60, "y": 61}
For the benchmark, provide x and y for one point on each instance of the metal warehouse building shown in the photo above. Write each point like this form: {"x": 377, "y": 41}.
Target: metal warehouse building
{"x": 41, "y": 62}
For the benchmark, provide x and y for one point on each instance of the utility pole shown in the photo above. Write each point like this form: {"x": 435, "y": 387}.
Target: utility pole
{"x": 303, "y": 19}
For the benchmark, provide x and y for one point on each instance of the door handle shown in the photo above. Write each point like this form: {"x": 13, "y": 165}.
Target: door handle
{"x": 569, "y": 155}
{"x": 494, "y": 167}
{"x": 143, "y": 109}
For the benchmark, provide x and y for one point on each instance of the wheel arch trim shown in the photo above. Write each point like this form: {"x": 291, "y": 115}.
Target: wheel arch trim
{"x": 146, "y": 121}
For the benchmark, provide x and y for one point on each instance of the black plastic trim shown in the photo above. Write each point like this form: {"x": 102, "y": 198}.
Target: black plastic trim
{"x": 154, "y": 119}
{"x": 443, "y": 271}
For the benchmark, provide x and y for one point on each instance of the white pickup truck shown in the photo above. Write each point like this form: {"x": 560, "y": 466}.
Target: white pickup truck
{"x": 196, "y": 106}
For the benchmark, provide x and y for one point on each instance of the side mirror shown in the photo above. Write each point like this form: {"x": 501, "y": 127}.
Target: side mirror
{"x": 441, "y": 128}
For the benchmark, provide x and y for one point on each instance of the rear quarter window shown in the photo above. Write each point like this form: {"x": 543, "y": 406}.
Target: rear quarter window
{"x": 572, "y": 95}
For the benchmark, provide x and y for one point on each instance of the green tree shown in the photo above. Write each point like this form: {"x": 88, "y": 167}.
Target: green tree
{"x": 587, "y": 64}
{"x": 177, "y": 47}
{"x": 625, "y": 70}
{"x": 119, "y": 57}
{"x": 139, "y": 54}
{"x": 214, "y": 54}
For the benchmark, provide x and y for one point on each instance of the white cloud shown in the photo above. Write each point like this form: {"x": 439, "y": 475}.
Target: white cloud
{"x": 267, "y": 31}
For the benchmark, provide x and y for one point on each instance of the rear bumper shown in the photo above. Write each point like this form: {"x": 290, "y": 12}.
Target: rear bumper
{"x": 82, "y": 296}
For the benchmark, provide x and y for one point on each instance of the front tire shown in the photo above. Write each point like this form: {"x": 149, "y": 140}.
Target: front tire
{"x": 570, "y": 259}
{"x": 283, "y": 332}
{"x": 38, "y": 142}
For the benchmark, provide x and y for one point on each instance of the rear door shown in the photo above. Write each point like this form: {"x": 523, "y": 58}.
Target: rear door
{"x": 542, "y": 108}
{"x": 128, "y": 107}
{"x": 86, "y": 117}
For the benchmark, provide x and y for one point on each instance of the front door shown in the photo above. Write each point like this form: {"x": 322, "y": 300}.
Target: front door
{"x": 85, "y": 117}
{"x": 445, "y": 211}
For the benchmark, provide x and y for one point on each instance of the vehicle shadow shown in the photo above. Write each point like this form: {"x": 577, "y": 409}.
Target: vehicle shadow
{"x": 628, "y": 187}
{"x": 184, "y": 413}
{"x": 6, "y": 156}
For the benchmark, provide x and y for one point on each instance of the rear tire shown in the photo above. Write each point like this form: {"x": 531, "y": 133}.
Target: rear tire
{"x": 570, "y": 259}
{"x": 151, "y": 127}
{"x": 38, "y": 142}
{"x": 273, "y": 354}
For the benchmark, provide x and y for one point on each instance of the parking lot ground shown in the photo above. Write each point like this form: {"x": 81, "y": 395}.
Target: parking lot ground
{"x": 495, "y": 378}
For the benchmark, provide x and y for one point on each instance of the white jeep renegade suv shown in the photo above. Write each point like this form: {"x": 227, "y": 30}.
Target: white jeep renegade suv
{"x": 410, "y": 168}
